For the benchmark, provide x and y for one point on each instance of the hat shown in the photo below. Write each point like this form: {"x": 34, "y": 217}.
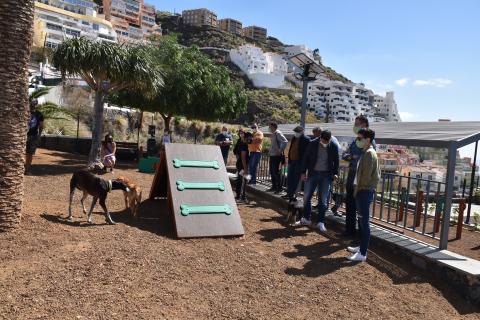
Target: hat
{"x": 298, "y": 129}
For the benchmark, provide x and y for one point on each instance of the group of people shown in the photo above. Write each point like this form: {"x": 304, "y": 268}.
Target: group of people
{"x": 313, "y": 163}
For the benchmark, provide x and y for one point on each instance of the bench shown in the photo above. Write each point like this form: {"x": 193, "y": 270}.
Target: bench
{"x": 127, "y": 150}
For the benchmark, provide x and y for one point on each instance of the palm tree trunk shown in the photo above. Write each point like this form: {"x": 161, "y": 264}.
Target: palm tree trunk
{"x": 16, "y": 25}
{"x": 97, "y": 127}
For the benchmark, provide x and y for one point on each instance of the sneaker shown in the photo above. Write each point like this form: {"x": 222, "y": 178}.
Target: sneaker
{"x": 303, "y": 222}
{"x": 353, "y": 249}
{"x": 321, "y": 226}
{"x": 357, "y": 257}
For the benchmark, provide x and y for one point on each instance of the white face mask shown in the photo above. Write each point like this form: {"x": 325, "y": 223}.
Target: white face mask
{"x": 298, "y": 134}
{"x": 224, "y": 132}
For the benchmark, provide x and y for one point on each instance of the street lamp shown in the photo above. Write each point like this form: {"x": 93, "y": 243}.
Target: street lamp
{"x": 310, "y": 70}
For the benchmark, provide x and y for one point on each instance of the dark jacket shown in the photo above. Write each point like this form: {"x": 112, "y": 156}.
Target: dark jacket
{"x": 302, "y": 147}
{"x": 310, "y": 158}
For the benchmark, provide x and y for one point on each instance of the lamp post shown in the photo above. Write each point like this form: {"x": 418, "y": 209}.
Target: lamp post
{"x": 310, "y": 70}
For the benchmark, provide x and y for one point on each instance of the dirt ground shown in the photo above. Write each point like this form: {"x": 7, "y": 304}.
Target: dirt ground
{"x": 54, "y": 269}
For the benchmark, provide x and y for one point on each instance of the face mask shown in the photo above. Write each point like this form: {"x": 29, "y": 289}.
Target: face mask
{"x": 356, "y": 129}
{"x": 224, "y": 132}
{"x": 298, "y": 134}
{"x": 360, "y": 143}
{"x": 254, "y": 129}
{"x": 324, "y": 144}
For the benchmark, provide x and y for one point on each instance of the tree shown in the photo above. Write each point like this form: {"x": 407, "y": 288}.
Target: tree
{"x": 107, "y": 68}
{"x": 49, "y": 109}
{"x": 194, "y": 87}
{"x": 16, "y": 21}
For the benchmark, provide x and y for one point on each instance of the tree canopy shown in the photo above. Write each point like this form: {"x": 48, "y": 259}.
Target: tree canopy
{"x": 194, "y": 86}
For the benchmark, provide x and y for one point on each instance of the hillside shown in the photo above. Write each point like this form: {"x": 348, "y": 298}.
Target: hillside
{"x": 264, "y": 106}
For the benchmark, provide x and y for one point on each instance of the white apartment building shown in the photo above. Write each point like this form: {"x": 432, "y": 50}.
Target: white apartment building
{"x": 342, "y": 102}
{"x": 386, "y": 107}
{"x": 291, "y": 51}
{"x": 265, "y": 70}
{"x": 57, "y": 20}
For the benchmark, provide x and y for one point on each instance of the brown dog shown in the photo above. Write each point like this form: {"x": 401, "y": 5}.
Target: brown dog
{"x": 133, "y": 197}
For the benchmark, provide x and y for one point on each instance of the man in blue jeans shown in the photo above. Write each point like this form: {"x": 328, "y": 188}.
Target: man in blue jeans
{"x": 296, "y": 152}
{"x": 321, "y": 163}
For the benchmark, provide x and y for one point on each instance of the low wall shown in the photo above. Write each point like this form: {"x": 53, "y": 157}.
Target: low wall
{"x": 66, "y": 144}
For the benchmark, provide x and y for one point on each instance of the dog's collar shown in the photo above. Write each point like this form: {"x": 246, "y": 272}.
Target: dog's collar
{"x": 109, "y": 185}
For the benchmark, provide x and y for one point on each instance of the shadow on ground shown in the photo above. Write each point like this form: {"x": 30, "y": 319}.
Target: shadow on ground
{"x": 153, "y": 217}
{"x": 319, "y": 263}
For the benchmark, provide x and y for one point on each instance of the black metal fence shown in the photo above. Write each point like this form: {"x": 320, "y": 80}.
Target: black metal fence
{"x": 402, "y": 203}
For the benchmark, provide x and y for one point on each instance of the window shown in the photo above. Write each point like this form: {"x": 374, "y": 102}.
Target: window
{"x": 95, "y": 26}
{"x": 54, "y": 27}
{"x": 86, "y": 23}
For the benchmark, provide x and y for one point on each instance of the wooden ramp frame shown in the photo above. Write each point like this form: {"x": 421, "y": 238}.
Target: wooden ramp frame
{"x": 194, "y": 180}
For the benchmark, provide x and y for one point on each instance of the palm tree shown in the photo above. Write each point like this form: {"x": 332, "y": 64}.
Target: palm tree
{"x": 16, "y": 22}
{"x": 107, "y": 68}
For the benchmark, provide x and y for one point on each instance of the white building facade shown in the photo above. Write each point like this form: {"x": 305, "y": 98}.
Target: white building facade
{"x": 265, "y": 70}
{"x": 57, "y": 20}
{"x": 386, "y": 107}
{"x": 341, "y": 102}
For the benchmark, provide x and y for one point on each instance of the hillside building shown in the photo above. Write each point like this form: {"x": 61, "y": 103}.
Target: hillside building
{"x": 230, "y": 25}
{"x": 265, "y": 70}
{"x": 200, "y": 17}
{"x": 57, "y": 20}
{"x": 133, "y": 20}
{"x": 386, "y": 107}
{"x": 255, "y": 33}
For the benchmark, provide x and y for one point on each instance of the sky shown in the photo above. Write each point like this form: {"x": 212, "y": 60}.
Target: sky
{"x": 426, "y": 51}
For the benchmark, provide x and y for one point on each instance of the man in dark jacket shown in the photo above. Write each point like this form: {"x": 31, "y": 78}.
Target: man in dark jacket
{"x": 321, "y": 163}
{"x": 296, "y": 152}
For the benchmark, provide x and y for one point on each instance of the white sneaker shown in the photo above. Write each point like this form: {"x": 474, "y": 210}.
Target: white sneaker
{"x": 321, "y": 227}
{"x": 303, "y": 222}
{"x": 358, "y": 257}
{"x": 353, "y": 249}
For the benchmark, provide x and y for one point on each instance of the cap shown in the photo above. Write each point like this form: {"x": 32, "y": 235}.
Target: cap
{"x": 298, "y": 129}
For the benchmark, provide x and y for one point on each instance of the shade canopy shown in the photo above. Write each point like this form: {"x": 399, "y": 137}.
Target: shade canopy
{"x": 441, "y": 134}
{"x": 302, "y": 61}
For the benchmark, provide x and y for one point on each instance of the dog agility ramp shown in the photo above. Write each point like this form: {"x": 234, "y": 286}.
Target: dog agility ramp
{"x": 196, "y": 183}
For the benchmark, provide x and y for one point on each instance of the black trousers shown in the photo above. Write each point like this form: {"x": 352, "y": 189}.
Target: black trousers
{"x": 275, "y": 162}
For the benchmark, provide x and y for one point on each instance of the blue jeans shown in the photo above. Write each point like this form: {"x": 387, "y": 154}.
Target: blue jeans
{"x": 322, "y": 181}
{"x": 293, "y": 177}
{"x": 351, "y": 208}
{"x": 364, "y": 199}
{"x": 253, "y": 165}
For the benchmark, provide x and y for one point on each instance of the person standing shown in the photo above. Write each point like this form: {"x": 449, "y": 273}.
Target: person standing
{"x": 277, "y": 156}
{"x": 352, "y": 155}
{"x": 35, "y": 128}
{"x": 255, "y": 152}
{"x": 167, "y": 137}
{"x": 321, "y": 163}
{"x": 296, "y": 152}
{"x": 224, "y": 140}
{"x": 365, "y": 182}
{"x": 241, "y": 152}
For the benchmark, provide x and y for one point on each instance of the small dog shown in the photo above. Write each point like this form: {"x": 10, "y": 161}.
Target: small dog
{"x": 98, "y": 188}
{"x": 133, "y": 197}
{"x": 295, "y": 209}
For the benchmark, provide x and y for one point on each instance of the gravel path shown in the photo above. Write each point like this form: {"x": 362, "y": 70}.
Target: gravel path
{"x": 54, "y": 269}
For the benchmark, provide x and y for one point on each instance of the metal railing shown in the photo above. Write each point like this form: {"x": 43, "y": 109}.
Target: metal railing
{"x": 403, "y": 203}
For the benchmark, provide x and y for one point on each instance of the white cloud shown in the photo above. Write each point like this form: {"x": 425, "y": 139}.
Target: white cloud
{"x": 435, "y": 82}
{"x": 402, "y": 82}
{"x": 407, "y": 116}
